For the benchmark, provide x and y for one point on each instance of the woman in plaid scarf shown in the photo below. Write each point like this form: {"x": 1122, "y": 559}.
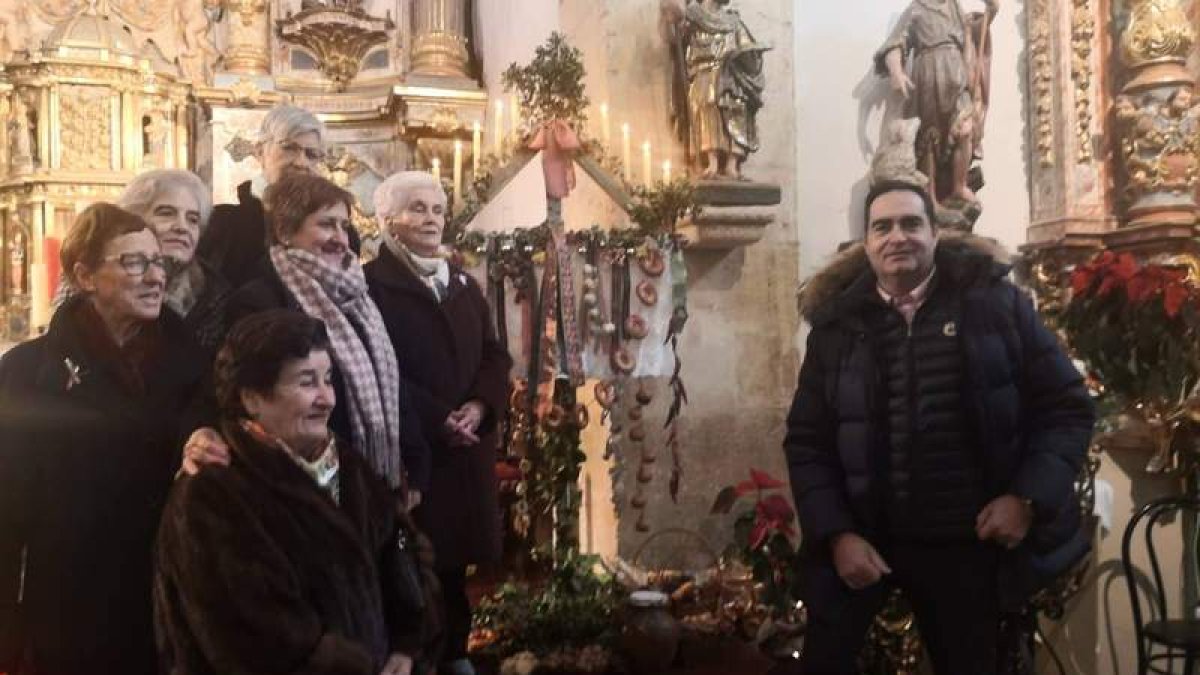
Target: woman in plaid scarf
{"x": 311, "y": 268}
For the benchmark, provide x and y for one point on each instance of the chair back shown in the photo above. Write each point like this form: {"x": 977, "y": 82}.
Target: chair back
{"x": 1148, "y": 518}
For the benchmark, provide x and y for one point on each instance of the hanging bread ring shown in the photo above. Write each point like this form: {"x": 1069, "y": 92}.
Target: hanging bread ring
{"x": 635, "y": 327}
{"x": 649, "y": 457}
{"x": 606, "y": 393}
{"x": 637, "y": 433}
{"x": 554, "y": 419}
{"x": 644, "y": 397}
{"x": 647, "y": 293}
{"x": 622, "y": 361}
{"x": 644, "y": 475}
{"x": 638, "y": 501}
{"x": 581, "y": 415}
{"x": 641, "y": 523}
{"x": 653, "y": 263}
{"x": 635, "y": 413}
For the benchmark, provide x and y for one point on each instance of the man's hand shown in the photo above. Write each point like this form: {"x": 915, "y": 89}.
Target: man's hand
{"x": 204, "y": 446}
{"x": 1005, "y": 520}
{"x": 857, "y": 562}
{"x": 397, "y": 664}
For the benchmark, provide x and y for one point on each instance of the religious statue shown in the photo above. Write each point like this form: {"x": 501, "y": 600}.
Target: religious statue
{"x": 194, "y": 19}
{"x": 20, "y": 136}
{"x": 718, "y": 85}
{"x": 154, "y": 133}
{"x": 896, "y": 159}
{"x": 18, "y": 281}
{"x": 939, "y": 59}
{"x": 1159, "y": 142}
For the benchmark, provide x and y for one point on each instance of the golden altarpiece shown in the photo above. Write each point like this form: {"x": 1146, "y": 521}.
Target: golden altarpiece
{"x": 94, "y": 91}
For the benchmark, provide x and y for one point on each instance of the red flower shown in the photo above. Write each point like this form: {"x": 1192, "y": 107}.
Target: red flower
{"x": 773, "y": 514}
{"x": 1173, "y": 296}
{"x": 759, "y": 480}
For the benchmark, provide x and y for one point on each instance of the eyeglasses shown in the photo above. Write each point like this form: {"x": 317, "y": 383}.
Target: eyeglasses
{"x": 137, "y": 264}
{"x": 311, "y": 154}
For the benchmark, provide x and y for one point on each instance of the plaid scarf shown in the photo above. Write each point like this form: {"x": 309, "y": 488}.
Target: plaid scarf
{"x": 363, "y": 356}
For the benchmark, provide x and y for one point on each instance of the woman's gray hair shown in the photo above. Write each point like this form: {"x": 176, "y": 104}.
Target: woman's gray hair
{"x": 392, "y": 197}
{"x": 139, "y": 196}
{"x": 285, "y": 122}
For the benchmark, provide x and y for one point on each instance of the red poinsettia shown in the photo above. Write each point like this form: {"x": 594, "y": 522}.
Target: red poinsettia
{"x": 1110, "y": 271}
{"x": 759, "y": 480}
{"x": 772, "y": 514}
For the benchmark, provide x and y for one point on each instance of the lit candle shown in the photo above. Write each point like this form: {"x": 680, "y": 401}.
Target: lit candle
{"x": 516, "y": 119}
{"x": 476, "y": 142}
{"x": 604, "y": 125}
{"x": 625, "y": 153}
{"x": 458, "y": 162}
{"x": 498, "y": 141}
{"x": 646, "y": 164}
{"x": 437, "y": 168}
{"x": 667, "y": 171}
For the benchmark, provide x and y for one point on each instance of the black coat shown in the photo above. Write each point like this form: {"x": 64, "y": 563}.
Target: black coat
{"x": 85, "y": 465}
{"x": 1026, "y": 401}
{"x": 206, "y": 320}
{"x": 258, "y": 570}
{"x": 266, "y": 290}
{"x": 449, "y": 355}
{"x": 235, "y": 240}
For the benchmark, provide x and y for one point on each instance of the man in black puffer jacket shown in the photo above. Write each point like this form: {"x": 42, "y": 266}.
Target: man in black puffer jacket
{"x": 933, "y": 443}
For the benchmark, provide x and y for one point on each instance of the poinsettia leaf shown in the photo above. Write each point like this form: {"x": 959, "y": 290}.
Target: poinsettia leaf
{"x": 759, "y": 534}
{"x": 745, "y": 487}
{"x": 764, "y": 480}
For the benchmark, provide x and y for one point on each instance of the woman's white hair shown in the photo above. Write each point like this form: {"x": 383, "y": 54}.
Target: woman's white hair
{"x": 285, "y": 122}
{"x": 145, "y": 188}
{"x": 392, "y": 197}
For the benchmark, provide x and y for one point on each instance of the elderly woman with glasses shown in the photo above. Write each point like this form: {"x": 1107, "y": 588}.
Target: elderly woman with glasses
{"x": 290, "y": 141}
{"x": 457, "y": 371}
{"x": 176, "y": 204}
{"x": 90, "y": 419}
{"x": 286, "y": 559}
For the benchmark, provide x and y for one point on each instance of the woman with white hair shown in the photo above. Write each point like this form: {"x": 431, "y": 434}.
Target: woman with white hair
{"x": 457, "y": 372}
{"x": 176, "y": 204}
{"x": 290, "y": 140}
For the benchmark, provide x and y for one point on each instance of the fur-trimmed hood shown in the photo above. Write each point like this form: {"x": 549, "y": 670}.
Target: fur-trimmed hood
{"x": 961, "y": 257}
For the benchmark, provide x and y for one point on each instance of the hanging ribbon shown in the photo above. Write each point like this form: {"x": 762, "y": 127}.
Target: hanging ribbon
{"x": 568, "y": 319}
{"x": 679, "y": 317}
{"x": 558, "y": 144}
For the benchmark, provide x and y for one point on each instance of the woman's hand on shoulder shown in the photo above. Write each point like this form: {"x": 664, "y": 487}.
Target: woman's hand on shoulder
{"x": 397, "y": 664}
{"x": 204, "y": 446}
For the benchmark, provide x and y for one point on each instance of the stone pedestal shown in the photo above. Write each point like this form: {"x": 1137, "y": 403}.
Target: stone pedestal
{"x": 734, "y": 214}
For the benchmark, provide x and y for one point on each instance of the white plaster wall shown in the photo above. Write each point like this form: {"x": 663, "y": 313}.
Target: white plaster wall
{"x": 840, "y": 104}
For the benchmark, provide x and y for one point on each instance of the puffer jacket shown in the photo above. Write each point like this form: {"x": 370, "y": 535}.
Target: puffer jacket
{"x": 1026, "y": 401}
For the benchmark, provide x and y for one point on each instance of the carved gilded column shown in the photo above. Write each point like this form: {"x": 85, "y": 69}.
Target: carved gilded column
{"x": 1156, "y": 120}
{"x": 249, "y": 38}
{"x": 1068, "y": 201}
{"x": 439, "y": 43}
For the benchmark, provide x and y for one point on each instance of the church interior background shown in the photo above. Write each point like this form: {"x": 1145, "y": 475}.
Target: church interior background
{"x": 1090, "y": 144}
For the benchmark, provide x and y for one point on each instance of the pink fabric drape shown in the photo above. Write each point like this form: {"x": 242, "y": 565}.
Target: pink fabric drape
{"x": 558, "y": 142}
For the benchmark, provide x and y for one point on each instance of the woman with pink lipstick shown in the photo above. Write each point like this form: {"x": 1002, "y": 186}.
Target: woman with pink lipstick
{"x": 91, "y": 416}
{"x": 310, "y": 267}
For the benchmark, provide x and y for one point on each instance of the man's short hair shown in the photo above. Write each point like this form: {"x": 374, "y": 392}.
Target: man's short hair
{"x": 884, "y": 187}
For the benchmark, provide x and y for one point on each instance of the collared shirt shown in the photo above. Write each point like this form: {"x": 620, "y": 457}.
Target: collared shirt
{"x": 912, "y": 301}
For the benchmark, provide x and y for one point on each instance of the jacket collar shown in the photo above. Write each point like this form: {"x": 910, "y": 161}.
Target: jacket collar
{"x": 389, "y": 271}
{"x": 839, "y": 290}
